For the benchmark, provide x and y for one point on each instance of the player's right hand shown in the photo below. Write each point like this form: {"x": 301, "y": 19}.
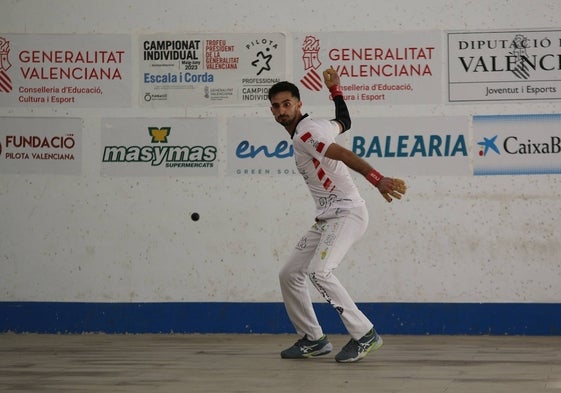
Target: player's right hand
{"x": 331, "y": 78}
{"x": 391, "y": 188}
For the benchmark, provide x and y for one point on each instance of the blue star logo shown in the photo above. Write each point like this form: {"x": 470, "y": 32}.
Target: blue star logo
{"x": 489, "y": 143}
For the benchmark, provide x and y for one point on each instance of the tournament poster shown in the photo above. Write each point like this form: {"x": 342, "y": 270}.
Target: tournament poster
{"x": 214, "y": 69}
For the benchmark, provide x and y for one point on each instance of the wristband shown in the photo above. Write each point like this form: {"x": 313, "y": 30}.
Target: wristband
{"x": 335, "y": 91}
{"x": 374, "y": 177}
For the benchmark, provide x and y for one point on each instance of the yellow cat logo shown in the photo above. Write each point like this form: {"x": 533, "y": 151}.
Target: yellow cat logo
{"x": 159, "y": 135}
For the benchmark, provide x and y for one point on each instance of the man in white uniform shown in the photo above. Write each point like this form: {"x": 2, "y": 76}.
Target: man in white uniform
{"x": 341, "y": 219}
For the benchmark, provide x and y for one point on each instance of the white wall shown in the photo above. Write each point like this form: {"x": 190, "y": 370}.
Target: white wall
{"x": 93, "y": 238}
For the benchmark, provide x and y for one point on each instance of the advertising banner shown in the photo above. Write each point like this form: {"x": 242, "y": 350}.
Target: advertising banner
{"x": 259, "y": 147}
{"x": 65, "y": 70}
{"x": 517, "y": 144}
{"x": 198, "y": 69}
{"x": 41, "y": 145}
{"x": 413, "y": 145}
{"x": 384, "y": 68}
{"x": 396, "y": 146}
{"x": 159, "y": 147}
{"x": 504, "y": 65}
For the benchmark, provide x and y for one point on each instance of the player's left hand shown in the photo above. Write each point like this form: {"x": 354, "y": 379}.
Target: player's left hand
{"x": 331, "y": 78}
{"x": 391, "y": 188}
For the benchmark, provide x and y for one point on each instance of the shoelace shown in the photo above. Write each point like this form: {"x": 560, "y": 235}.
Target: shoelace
{"x": 301, "y": 342}
{"x": 350, "y": 345}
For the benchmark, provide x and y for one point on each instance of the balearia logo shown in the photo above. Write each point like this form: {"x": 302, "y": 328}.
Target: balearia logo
{"x": 515, "y": 145}
{"x": 410, "y": 146}
{"x": 161, "y": 154}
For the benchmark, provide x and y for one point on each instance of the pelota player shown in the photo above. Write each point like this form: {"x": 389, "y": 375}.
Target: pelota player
{"x": 341, "y": 219}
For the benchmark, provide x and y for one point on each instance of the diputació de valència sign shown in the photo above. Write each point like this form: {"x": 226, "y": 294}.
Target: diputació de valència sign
{"x": 514, "y": 65}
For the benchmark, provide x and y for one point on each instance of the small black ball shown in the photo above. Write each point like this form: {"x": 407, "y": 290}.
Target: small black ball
{"x": 195, "y": 216}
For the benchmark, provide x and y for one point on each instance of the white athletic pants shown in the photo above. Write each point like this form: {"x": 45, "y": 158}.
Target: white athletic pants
{"x": 317, "y": 254}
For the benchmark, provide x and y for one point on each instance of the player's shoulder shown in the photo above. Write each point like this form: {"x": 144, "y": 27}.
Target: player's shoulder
{"x": 319, "y": 128}
{"x": 313, "y": 125}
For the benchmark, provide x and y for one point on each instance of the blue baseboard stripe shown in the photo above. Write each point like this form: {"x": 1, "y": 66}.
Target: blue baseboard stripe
{"x": 270, "y": 318}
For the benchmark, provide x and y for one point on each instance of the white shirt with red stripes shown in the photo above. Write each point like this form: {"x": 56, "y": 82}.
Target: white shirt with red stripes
{"x": 329, "y": 181}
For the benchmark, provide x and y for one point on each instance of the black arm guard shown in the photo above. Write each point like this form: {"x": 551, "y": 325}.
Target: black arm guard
{"x": 342, "y": 114}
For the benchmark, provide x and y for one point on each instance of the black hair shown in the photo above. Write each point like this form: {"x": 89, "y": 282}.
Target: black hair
{"x": 284, "y": 86}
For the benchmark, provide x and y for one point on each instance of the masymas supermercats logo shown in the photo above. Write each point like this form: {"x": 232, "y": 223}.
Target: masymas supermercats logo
{"x": 158, "y": 153}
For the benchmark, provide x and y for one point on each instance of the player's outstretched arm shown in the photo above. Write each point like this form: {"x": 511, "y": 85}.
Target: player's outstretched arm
{"x": 389, "y": 187}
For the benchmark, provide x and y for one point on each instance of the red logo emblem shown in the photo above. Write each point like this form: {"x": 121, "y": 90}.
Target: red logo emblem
{"x": 5, "y": 81}
{"x": 312, "y": 79}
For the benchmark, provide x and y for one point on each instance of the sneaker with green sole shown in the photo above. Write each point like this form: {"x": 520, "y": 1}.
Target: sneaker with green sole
{"x": 305, "y": 348}
{"x": 355, "y": 350}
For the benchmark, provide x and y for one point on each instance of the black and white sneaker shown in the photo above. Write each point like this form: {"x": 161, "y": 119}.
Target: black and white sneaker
{"x": 305, "y": 348}
{"x": 355, "y": 350}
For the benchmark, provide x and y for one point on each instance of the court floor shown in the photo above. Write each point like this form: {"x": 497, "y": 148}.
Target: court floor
{"x": 251, "y": 363}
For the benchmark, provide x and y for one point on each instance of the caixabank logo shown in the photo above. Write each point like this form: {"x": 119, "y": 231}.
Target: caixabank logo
{"x": 517, "y": 144}
{"x": 514, "y": 145}
{"x": 488, "y": 144}
{"x": 159, "y": 153}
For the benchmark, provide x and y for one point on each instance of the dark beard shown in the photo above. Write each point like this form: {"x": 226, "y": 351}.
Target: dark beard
{"x": 284, "y": 121}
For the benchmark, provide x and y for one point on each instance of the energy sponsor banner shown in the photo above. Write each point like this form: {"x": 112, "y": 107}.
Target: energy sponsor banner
{"x": 517, "y": 144}
{"x": 514, "y": 65}
{"x": 413, "y": 145}
{"x": 41, "y": 145}
{"x": 259, "y": 147}
{"x": 198, "y": 69}
{"x": 65, "y": 70}
{"x": 396, "y": 146}
{"x": 375, "y": 67}
{"x": 159, "y": 147}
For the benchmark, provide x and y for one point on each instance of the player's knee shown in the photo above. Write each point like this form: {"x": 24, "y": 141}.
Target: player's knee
{"x": 283, "y": 275}
{"x": 287, "y": 275}
{"x": 319, "y": 276}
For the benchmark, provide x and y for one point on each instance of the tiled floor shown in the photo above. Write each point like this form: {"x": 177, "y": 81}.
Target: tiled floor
{"x": 251, "y": 363}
